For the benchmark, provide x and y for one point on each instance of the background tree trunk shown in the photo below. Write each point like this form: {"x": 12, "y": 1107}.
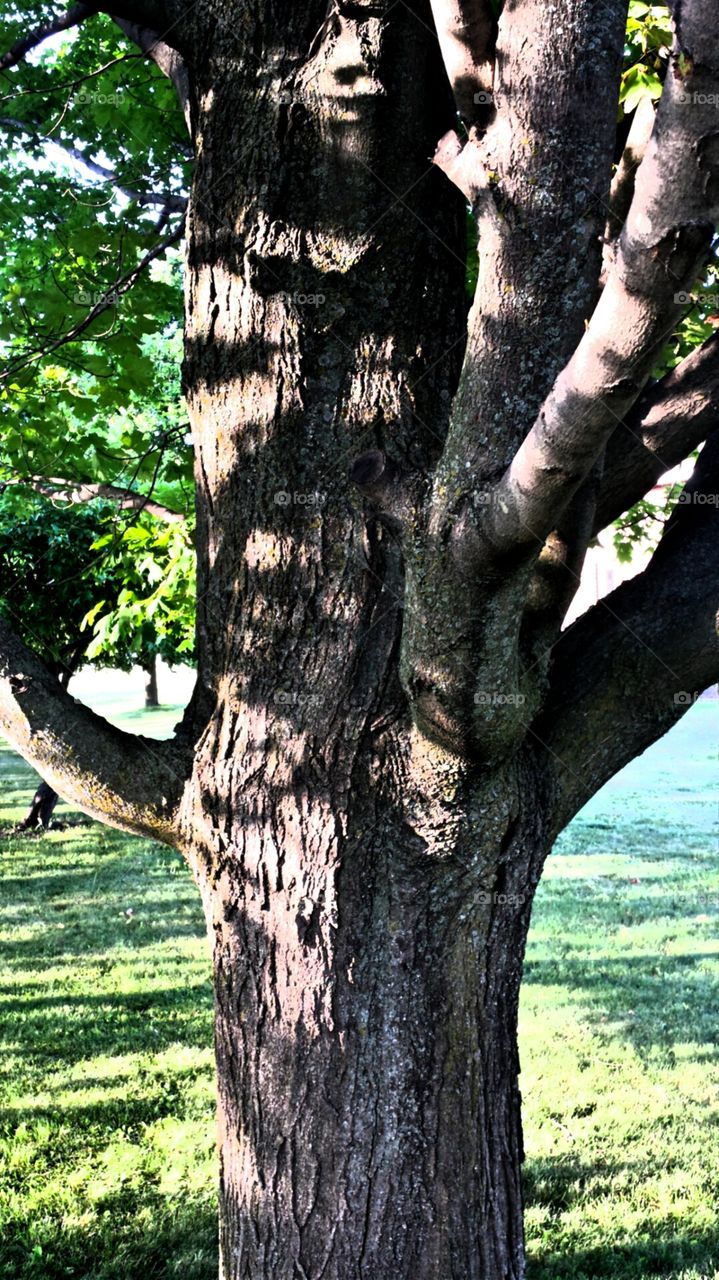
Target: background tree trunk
{"x": 151, "y": 693}
{"x": 41, "y": 808}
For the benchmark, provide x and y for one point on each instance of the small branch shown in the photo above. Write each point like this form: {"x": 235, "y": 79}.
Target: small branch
{"x": 72, "y": 17}
{"x": 631, "y": 666}
{"x": 86, "y": 491}
{"x": 109, "y": 300}
{"x": 122, "y": 779}
{"x": 167, "y": 199}
{"x": 670, "y": 420}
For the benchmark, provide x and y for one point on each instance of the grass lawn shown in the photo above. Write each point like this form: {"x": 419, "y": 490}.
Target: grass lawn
{"x": 107, "y": 1160}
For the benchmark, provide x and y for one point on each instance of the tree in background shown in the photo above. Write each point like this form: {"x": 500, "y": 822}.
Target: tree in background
{"x": 394, "y": 499}
{"x": 79, "y": 594}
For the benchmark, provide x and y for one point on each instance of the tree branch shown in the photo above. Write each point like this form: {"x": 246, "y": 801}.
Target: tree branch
{"x": 466, "y": 30}
{"x": 127, "y": 781}
{"x": 86, "y": 491}
{"x": 666, "y": 240}
{"x": 167, "y": 199}
{"x": 169, "y": 61}
{"x": 630, "y": 666}
{"x": 670, "y": 420}
{"x": 72, "y": 17}
{"x": 108, "y": 300}
{"x": 542, "y": 170}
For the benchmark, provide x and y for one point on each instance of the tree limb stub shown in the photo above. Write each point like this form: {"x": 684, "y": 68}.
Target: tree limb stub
{"x": 386, "y": 485}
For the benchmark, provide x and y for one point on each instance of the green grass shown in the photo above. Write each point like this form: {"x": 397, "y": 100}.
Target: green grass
{"x": 107, "y": 1163}
{"x": 620, "y": 1027}
{"x": 107, "y": 1154}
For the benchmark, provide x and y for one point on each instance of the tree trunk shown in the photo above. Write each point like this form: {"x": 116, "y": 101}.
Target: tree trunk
{"x": 367, "y": 892}
{"x": 41, "y": 809}
{"x": 151, "y": 694}
{"x": 366, "y": 1032}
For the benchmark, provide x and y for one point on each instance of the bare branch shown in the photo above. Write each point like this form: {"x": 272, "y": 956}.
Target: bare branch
{"x": 85, "y": 491}
{"x": 76, "y": 14}
{"x": 630, "y": 666}
{"x": 664, "y": 243}
{"x": 127, "y": 781}
{"x": 670, "y": 420}
{"x": 167, "y": 199}
{"x": 466, "y": 30}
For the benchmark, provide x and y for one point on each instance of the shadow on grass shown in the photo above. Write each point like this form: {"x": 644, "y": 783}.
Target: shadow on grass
{"x": 670, "y": 1255}
{"x": 655, "y": 1001}
{"x": 559, "y": 1184}
{"x": 132, "y": 1234}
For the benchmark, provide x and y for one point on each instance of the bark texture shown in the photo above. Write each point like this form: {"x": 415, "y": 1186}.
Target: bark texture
{"x": 393, "y": 505}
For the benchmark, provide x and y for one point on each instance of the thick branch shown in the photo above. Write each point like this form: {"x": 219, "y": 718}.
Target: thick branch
{"x": 127, "y": 781}
{"x": 72, "y": 17}
{"x": 465, "y": 30}
{"x": 630, "y": 666}
{"x": 664, "y": 243}
{"x": 169, "y": 61}
{"x": 670, "y": 420}
{"x": 86, "y": 491}
{"x": 540, "y": 223}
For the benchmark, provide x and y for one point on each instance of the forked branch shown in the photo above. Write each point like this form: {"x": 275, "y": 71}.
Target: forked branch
{"x": 664, "y": 243}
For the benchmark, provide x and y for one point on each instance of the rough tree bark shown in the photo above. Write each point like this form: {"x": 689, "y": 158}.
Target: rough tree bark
{"x": 387, "y": 731}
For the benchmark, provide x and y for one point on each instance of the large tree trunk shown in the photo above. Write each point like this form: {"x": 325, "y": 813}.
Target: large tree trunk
{"x": 367, "y": 968}
{"x": 366, "y": 972}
